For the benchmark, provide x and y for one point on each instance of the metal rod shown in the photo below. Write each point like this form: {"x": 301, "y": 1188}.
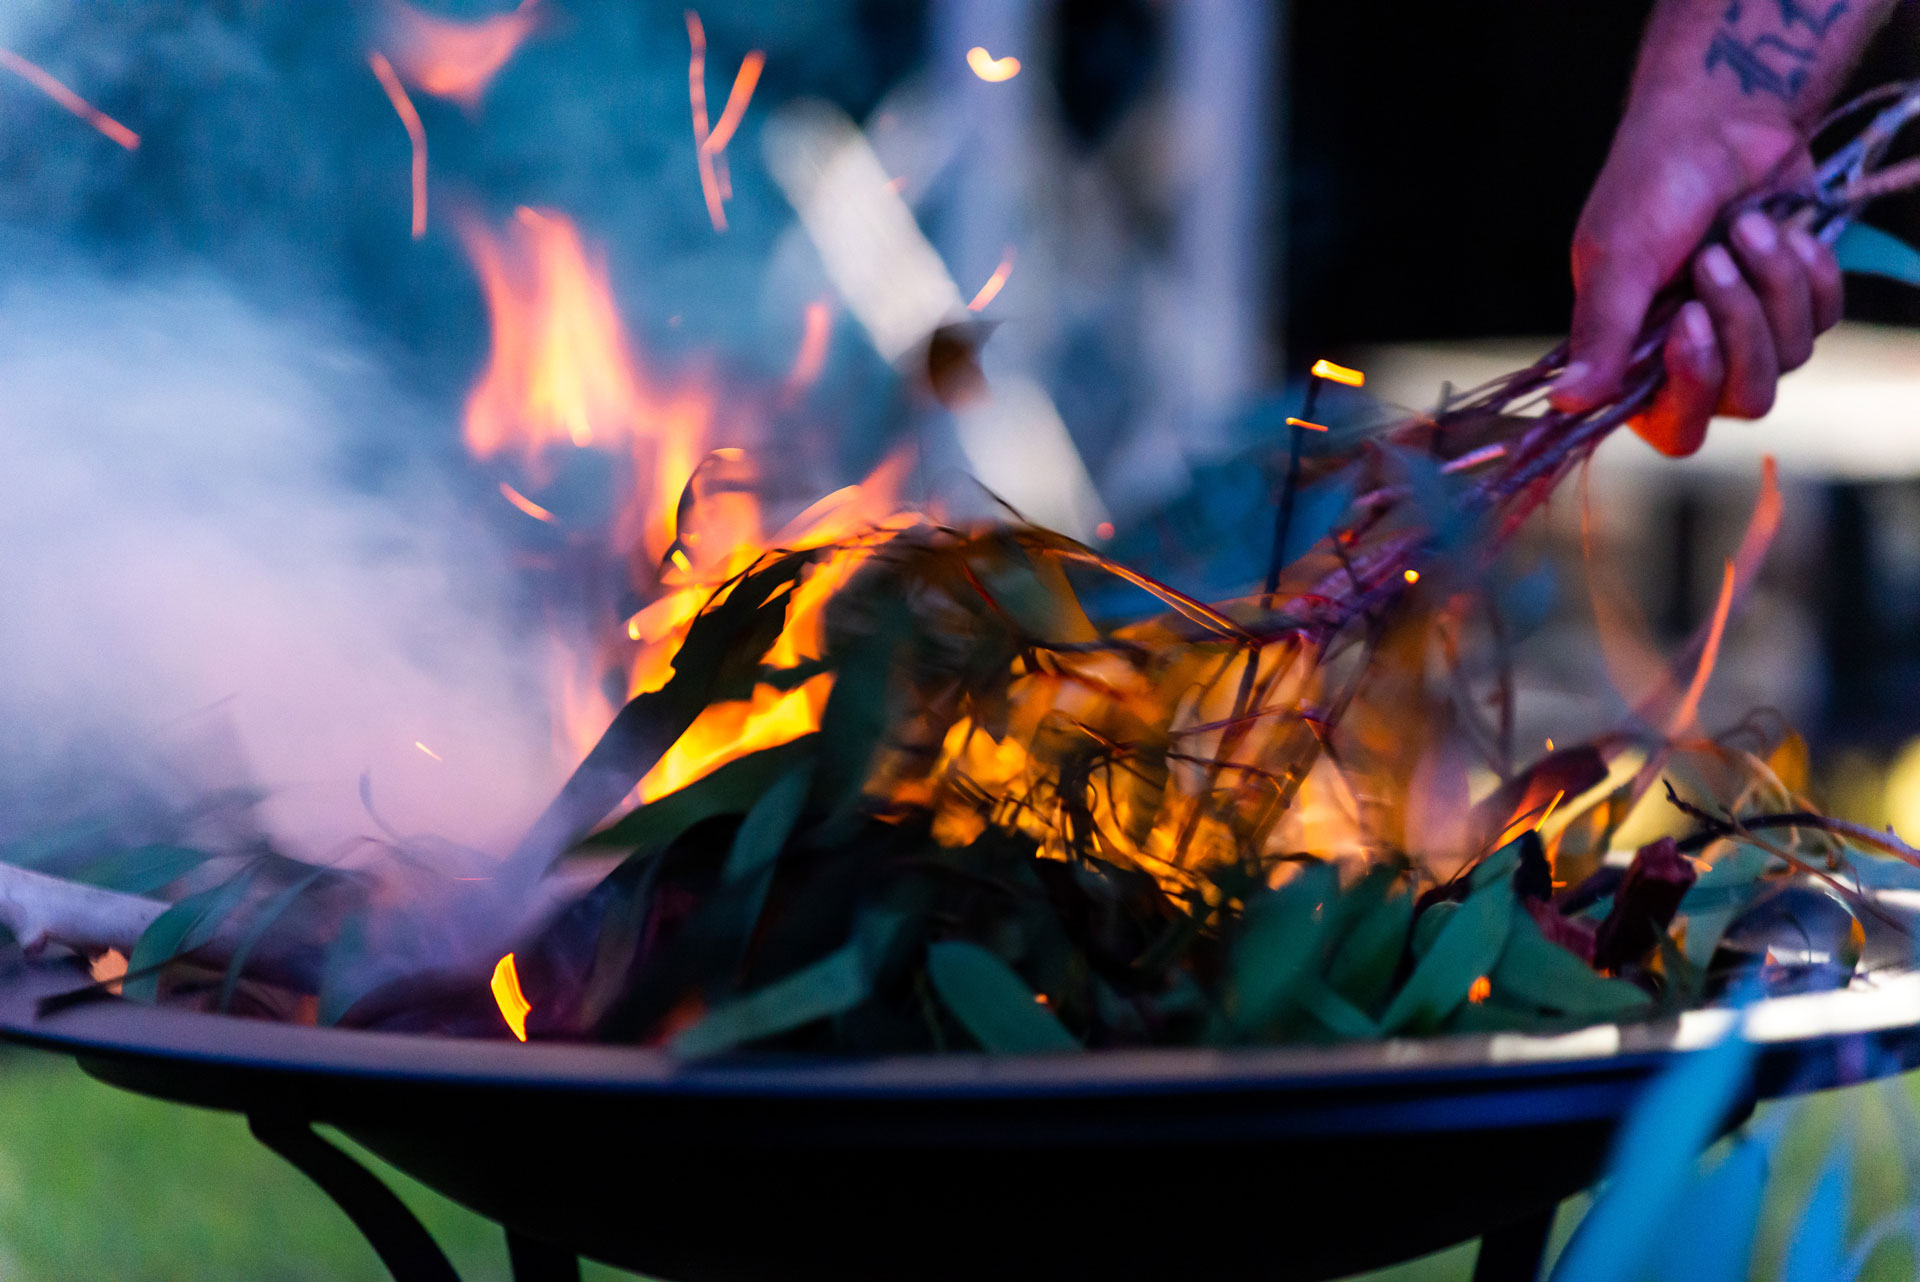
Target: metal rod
{"x": 537, "y": 1261}
{"x": 396, "y": 1235}
{"x": 1514, "y": 1252}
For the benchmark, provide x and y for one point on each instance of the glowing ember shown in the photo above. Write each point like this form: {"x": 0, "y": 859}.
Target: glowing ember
{"x": 697, "y": 96}
{"x": 1301, "y": 422}
{"x": 514, "y": 1006}
{"x": 67, "y": 98}
{"x": 454, "y": 60}
{"x": 1480, "y": 990}
{"x": 737, "y": 99}
{"x": 995, "y": 283}
{"x": 991, "y": 69}
{"x": 812, "y": 356}
{"x": 1411, "y": 576}
{"x": 1338, "y": 374}
{"x": 416, "y": 134}
{"x": 527, "y": 505}
{"x": 429, "y": 751}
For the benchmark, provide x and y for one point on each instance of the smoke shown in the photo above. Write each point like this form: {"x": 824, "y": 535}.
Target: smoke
{"x": 195, "y": 530}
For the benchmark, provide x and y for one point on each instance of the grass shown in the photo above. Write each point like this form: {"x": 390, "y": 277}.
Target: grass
{"x": 99, "y": 1183}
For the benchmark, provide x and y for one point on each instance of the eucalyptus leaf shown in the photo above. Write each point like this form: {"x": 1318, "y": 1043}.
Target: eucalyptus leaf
{"x": 1868, "y": 251}
{"x": 183, "y": 927}
{"x": 729, "y": 789}
{"x": 268, "y": 914}
{"x": 1466, "y": 947}
{"x": 993, "y": 1003}
{"x": 1279, "y": 941}
{"x": 1534, "y": 971}
{"x": 761, "y": 837}
{"x": 1364, "y": 962}
{"x": 142, "y": 870}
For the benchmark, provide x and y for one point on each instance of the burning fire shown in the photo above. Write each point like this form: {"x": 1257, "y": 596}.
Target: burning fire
{"x": 454, "y": 60}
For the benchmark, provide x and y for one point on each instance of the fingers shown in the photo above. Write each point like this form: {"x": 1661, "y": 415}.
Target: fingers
{"x": 1779, "y": 280}
{"x": 1823, "y": 278}
{"x": 1676, "y": 423}
{"x": 1746, "y": 340}
{"x": 1611, "y": 294}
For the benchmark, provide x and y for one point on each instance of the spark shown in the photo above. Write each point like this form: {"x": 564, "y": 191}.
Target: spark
{"x": 815, "y": 334}
{"x": 991, "y": 69}
{"x": 1553, "y": 805}
{"x": 1549, "y": 745}
{"x": 527, "y": 505}
{"x": 1104, "y": 530}
{"x": 67, "y": 98}
{"x": 1301, "y": 422}
{"x": 429, "y": 751}
{"x": 514, "y": 1006}
{"x": 1411, "y": 576}
{"x": 737, "y": 99}
{"x": 1683, "y": 715}
{"x": 995, "y": 283}
{"x": 1480, "y": 990}
{"x": 697, "y": 96}
{"x": 1338, "y": 374}
{"x": 416, "y": 134}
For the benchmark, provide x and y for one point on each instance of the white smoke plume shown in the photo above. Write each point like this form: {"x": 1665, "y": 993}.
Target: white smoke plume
{"x": 207, "y": 513}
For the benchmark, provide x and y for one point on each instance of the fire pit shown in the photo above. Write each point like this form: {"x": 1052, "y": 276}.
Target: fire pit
{"x": 943, "y": 1167}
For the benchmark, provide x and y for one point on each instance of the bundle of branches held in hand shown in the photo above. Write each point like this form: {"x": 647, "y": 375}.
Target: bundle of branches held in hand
{"x": 1017, "y": 828}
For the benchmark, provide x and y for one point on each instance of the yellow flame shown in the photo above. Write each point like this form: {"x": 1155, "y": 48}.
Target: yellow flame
{"x": 514, "y": 1006}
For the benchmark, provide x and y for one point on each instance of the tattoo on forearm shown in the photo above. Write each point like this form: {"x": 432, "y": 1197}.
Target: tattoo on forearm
{"x": 1772, "y": 59}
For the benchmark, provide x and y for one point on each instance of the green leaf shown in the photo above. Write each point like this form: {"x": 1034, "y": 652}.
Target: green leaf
{"x": 992, "y": 1002}
{"x": 730, "y": 789}
{"x": 1868, "y": 251}
{"x": 1339, "y": 1016}
{"x": 1364, "y": 963}
{"x": 1466, "y": 947}
{"x": 342, "y": 978}
{"x": 270, "y": 912}
{"x": 140, "y": 871}
{"x": 183, "y": 927}
{"x": 1280, "y": 937}
{"x": 831, "y": 986}
{"x": 761, "y": 837}
{"x": 1534, "y": 971}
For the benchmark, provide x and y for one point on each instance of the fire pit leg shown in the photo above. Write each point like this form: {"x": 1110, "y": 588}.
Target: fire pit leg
{"x": 397, "y": 1237}
{"x": 536, "y": 1261}
{"x": 1514, "y": 1252}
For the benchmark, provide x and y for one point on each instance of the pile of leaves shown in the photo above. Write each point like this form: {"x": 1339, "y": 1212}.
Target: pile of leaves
{"x": 1298, "y": 815}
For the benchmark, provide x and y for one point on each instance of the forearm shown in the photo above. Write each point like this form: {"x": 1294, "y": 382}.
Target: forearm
{"x": 1762, "y": 62}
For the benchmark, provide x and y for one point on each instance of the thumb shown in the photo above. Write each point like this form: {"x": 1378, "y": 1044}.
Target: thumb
{"x": 1611, "y": 295}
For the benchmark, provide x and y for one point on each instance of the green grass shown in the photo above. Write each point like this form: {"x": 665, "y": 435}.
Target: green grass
{"x": 97, "y": 1183}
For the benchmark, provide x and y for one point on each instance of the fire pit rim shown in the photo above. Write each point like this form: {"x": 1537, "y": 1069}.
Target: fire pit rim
{"x": 1881, "y": 1004}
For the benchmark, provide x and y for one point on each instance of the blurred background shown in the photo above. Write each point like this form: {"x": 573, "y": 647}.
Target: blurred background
{"x": 1142, "y": 219}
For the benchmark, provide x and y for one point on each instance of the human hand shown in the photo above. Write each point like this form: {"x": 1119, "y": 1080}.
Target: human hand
{"x": 1759, "y": 300}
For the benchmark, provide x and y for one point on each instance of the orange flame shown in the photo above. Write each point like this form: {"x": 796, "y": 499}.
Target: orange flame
{"x": 514, "y": 1006}
{"x": 454, "y": 60}
{"x": 67, "y": 98}
{"x": 416, "y": 135}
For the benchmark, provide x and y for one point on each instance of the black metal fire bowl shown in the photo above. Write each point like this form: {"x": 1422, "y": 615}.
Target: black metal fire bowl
{"x": 1111, "y": 1164}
